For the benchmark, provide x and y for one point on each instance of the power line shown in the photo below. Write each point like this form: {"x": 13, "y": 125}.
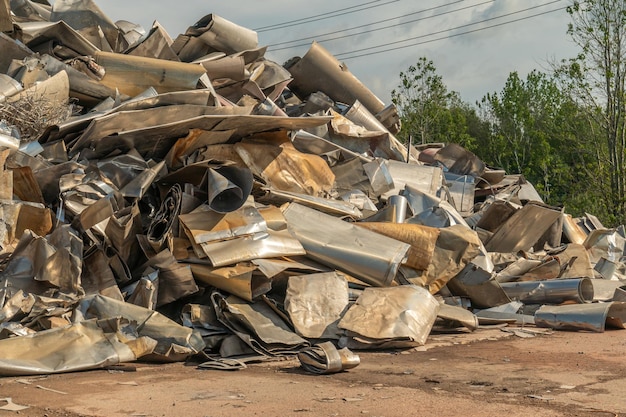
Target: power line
{"x": 377, "y": 29}
{"x": 368, "y": 24}
{"x": 322, "y": 16}
{"x": 445, "y": 37}
{"x": 448, "y": 30}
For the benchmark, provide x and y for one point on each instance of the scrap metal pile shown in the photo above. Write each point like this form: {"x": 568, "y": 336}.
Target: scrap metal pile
{"x": 167, "y": 198}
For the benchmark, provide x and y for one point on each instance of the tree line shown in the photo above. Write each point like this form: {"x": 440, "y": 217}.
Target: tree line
{"x": 564, "y": 130}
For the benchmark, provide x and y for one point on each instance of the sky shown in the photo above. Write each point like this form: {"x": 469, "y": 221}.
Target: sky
{"x": 473, "y": 58}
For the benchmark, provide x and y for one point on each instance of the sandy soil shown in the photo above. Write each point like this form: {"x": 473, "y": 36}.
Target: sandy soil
{"x": 487, "y": 373}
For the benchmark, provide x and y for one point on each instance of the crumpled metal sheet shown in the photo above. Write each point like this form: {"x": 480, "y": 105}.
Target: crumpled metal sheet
{"x": 523, "y": 228}
{"x": 607, "y": 243}
{"x": 324, "y": 358}
{"x": 421, "y": 238}
{"x": 223, "y": 35}
{"x": 174, "y": 342}
{"x": 318, "y": 70}
{"x": 176, "y": 280}
{"x": 205, "y": 225}
{"x": 427, "y": 179}
{"x": 315, "y": 304}
{"x": 160, "y": 234}
{"x": 257, "y": 325}
{"x": 455, "y": 247}
{"x": 399, "y": 316}
{"x": 89, "y": 344}
{"x": 53, "y": 263}
{"x": 268, "y": 244}
{"x": 137, "y": 206}
{"x": 6, "y": 25}
{"x": 83, "y": 16}
{"x": 369, "y": 256}
{"x": 460, "y": 161}
{"x": 39, "y": 33}
{"x": 325, "y": 205}
{"x": 133, "y": 74}
{"x": 454, "y": 316}
{"x": 240, "y": 279}
{"x": 285, "y": 168}
{"x": 479, "y": 286}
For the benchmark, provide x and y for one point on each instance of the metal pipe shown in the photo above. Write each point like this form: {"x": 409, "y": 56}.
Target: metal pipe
{"x": 554, "y": 291}
{"x": 593, "y": 317}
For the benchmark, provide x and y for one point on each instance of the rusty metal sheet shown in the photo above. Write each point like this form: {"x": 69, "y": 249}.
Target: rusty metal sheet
{"x": 319, "y": 70}
{"x": 285, "y": 168}
{"x": 422, "y": 239}
{"x": 240, "y": 280}
{"x": 523, "y": 228}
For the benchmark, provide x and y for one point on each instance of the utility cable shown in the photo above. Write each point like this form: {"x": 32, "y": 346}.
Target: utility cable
{"x": 322, "y": 16}
{"x": 455, "y": 28}
{"x": 441, "y": 38}
{"x": 374, "y": 23}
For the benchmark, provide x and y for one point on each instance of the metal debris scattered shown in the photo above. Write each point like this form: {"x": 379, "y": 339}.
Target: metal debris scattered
{"x": 185, "y": 198}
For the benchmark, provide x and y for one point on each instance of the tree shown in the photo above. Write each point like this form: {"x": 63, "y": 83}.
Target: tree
{"x": 536, "y": 130}
{"x": 428, "y": 110}
{"x": 596, "y": 80}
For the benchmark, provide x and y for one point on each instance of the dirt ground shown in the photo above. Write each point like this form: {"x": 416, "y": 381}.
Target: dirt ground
{"x": 487, "y": 373}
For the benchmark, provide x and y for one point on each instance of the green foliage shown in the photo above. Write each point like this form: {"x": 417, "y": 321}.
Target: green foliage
{"x": 430, "y": 113}
{"x": 532, "y": 127}
{"x": 596, "y": 80}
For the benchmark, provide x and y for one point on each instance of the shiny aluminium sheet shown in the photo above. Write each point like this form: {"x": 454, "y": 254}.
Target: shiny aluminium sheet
{"x": 228, "y": 186}
{"x": 285, "y": 168}
{"x": 154, "y": 138}
{"x": 367, "y": 255}
{"x": 358, "y": 114}
{"x": 223, "y": 35}
{"x": 37, "y": 33}
{"x": 427, "y": 179}
{"x": 398, "y": 316}
{"x": 88, "y": 344}
{"x": 270, "y": 244}
{"x": 156, "y": 44}
{"x": 454, "y": 316}
{"x": 554, "y": 291}
{"x": 479, "y": 286}
{"x": 174, "y": 342}
{"x": 87, "y": 18}
{"x": 422, "y": 239}
{"x": 6, "y": 25}
{"x": 593, "y": 317}
{"x": 133, "y": 74}
{"x": 315, "y": 304}
{"x": 205, "y": 225}
{"x": 455, "y": 247}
